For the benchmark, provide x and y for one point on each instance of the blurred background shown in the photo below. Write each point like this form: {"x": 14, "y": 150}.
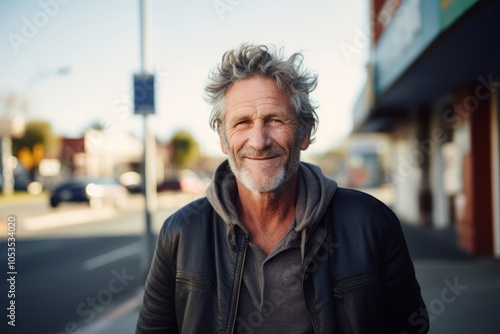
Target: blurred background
{"x": 408, "y": 106}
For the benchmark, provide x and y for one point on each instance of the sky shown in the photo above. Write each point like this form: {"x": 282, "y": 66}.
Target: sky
{"x": 73, "y": 60}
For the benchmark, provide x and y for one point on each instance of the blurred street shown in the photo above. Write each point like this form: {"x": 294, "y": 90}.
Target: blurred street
{"x": 75, "y": 264}
{"x": 408, "y": 100}
{"x": 86, "y": 275}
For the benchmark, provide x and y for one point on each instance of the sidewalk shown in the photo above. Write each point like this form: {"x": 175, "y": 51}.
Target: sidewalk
{"x": 462, "y": 293}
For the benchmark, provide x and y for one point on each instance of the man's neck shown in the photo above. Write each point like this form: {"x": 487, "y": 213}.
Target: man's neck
{"x": 267, "y": 216}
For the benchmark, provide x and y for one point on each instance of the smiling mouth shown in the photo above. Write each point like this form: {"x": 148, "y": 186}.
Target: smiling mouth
{"x": 261, "y": 158}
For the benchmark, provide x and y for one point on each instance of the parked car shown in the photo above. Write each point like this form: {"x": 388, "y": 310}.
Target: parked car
{"x": 93, "y": 191}
{"x": 171, "y": 184}
{"x": 193, "y": 182}
{"x": 132, "y": 181}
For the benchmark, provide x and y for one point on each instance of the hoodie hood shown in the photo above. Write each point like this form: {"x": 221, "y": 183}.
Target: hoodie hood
{"x": 315, "y": 192}
{"x": 222, "y": 192}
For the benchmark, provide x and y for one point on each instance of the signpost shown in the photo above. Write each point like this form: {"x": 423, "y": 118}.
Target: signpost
{"x": 144, "y": 104}
{"x": 144, "y": 94}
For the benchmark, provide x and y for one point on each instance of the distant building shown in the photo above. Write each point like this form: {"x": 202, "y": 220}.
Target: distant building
{"x": 108, "y": 155}
{"x": 364, "y": 160}
{"x": 71, "y": 149}
{"x": 433, "y": 87}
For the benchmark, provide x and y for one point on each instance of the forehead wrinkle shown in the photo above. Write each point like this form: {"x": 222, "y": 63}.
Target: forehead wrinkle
{"x": 263, "y": 103}
{"x": 267, "y": 86}
{"x": 256, "y": 97}
{"x": 247, "y": 98}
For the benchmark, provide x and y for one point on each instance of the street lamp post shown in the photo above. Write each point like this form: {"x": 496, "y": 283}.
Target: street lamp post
{"x": 6, "y": 162}
{"x": 10, "y": 127}
{"x": 144, "y": 104}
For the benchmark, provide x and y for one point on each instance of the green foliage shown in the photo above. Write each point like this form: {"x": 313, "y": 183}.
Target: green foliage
{"x": 185, "y": 150}
{"x": 37, "y": 132}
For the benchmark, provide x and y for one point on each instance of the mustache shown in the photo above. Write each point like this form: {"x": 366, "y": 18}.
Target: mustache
{"x": 268, "y": 152}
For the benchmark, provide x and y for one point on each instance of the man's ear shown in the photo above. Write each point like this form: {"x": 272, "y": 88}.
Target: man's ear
{"x": 306, "y": 141}
{"x": 222, "y": 142}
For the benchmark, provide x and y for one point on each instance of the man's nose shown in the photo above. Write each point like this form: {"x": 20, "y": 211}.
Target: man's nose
{"x": 259, "y": 137}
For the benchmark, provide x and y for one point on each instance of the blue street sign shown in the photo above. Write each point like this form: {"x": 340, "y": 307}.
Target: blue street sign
{"x": 144, "y": 94}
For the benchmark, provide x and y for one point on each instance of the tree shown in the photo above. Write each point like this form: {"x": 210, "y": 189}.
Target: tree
{"x": 185, "y": 150}
{"x": 31, "y": 147}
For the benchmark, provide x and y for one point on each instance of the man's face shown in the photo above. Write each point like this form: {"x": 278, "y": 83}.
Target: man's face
{"x": 260, "y": 134}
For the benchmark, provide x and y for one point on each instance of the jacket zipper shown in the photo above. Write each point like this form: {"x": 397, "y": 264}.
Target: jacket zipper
{"x": 308, "y": 304}
{"x": 338, "y": 293}
{"x": 233, "y": 308}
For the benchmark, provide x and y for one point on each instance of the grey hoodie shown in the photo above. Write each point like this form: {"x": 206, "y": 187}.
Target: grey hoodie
{"x": 315, "y": 192}
{"x": 271, "y": 297}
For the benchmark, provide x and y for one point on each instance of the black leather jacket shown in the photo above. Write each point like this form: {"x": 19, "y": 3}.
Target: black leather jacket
{"x": 359, "y": 276}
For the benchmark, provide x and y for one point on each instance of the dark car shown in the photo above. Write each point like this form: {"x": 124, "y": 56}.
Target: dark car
{"x": 133, "y": 183}
{"x": 93, "y": 191}
{"x": 169, "y": 184}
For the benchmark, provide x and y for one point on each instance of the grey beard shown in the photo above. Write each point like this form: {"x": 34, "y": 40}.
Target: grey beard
{"x": 285, "y": 172}
{"x": 245, "y": 178}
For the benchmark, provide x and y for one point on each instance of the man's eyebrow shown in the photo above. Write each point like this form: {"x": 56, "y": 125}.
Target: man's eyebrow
{"x": 238, "y": 118}
{"x": 266, "y": 114}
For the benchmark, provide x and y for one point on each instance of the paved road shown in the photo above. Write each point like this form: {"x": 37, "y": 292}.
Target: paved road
{"x": 55, "y": 290}
{"x": 73, "y": 264}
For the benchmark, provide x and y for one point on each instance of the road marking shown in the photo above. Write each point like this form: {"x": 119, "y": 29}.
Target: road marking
{"x": 112, "y": 256}
{"x": 120, "y": 319}
{"x": 57, "y": 219}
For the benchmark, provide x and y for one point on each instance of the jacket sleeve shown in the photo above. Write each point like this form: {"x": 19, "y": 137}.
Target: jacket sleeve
{"x": 405, "y": 310}
{"x": 157, "y": 314}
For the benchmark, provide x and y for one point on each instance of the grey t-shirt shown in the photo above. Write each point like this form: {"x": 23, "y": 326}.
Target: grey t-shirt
{"x": 271, "y": 296}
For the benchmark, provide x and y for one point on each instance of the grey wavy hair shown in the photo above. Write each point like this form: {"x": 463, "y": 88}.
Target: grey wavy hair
{"x": 290, "y": 75}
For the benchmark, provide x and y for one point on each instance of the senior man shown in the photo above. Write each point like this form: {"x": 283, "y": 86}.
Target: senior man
{"x": 275, "y": 246}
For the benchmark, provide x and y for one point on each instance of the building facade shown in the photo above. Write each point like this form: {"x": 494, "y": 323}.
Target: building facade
{"x": 433, "y": 86}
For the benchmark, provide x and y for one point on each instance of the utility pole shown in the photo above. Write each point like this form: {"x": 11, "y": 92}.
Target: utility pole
{"x": 144, "y": 104}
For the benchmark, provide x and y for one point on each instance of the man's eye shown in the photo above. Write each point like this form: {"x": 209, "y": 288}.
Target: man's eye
{"x": 242, "y": 123}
